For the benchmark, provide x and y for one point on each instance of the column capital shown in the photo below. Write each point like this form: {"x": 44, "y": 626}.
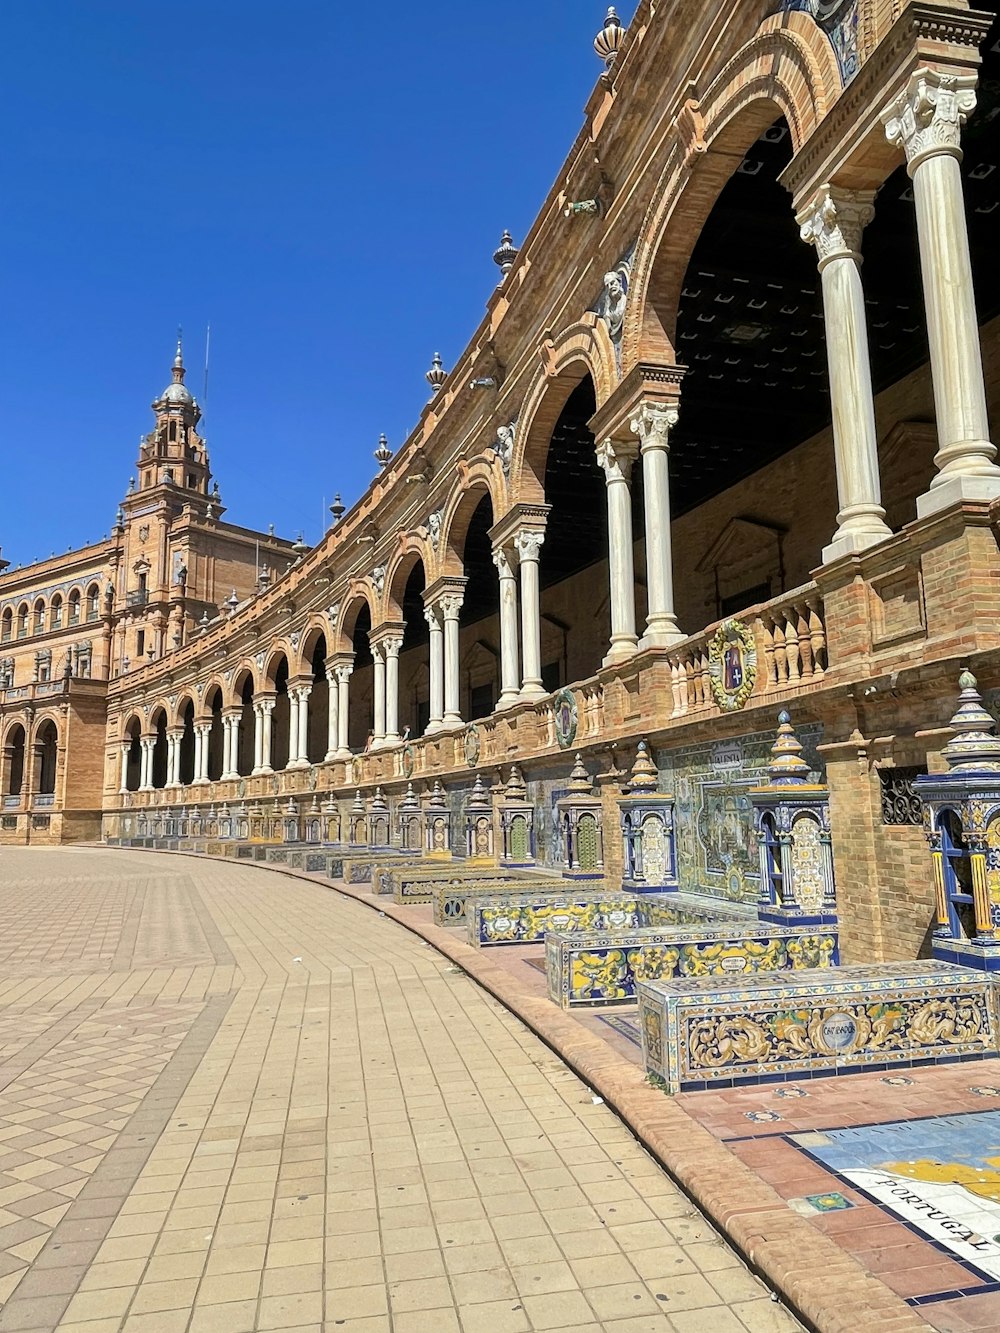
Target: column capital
{"x": 448, "y": 585}
{"x": 391, "y": 645}
{"x": 615, "y": 459}
{"x": 529, "y": 542}
{"x": 834, "y": 220}
{"x": 521, "y": 516}
{"x": 344, "y": 671}
{"x": 505, "y": 560}
{"x": 653, "y": 422}
{"x": 388, "y": 632}
{"x": 451, "y": 604}
{"x": 926, "y": 119}
{"x": 432, "y": 618}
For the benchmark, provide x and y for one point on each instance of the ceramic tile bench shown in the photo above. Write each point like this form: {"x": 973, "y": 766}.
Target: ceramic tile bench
{"x": 451, "y": 900}
{"x": 603, "y": 967}
{"x": 709, "y": 1032}
{"x": 417, "y": 882}
{"x": 526, "y": 918}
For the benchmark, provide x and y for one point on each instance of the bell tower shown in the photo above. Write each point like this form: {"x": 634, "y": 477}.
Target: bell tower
{"x": 173, "y": 453}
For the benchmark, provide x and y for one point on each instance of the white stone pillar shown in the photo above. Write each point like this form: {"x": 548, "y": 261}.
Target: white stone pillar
{"x": 258, "y": 739}
{"x": 391, "y": 649}
{"x": 833, "y": 222}
{"x": 293, "y": 729}
{"x": 344, "y": 710}
{"x": 615, "y": 461}
{"x": 433, "y": 617}
{"x": 126, "y": 747}
{"x": 652, "y": 424}
{"x": 528, "y": 545}
{"x": 450, "y": 606}
{"x": 302, "y": 759}
{"x": 262, "y": 737}
{"x": 203, "y": 734}
{"x": 926, "y": 122}
{"x": 509, "y": 682}
{"x": 173, "y": 760}
{"x": 378, "y": 738}
{"x": 230, "y": 748}
{"x": 146, "y": 764}
{"x": 332, "y": 715}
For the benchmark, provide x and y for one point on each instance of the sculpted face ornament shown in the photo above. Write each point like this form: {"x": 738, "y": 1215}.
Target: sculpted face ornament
{"x": 503, "y": 446}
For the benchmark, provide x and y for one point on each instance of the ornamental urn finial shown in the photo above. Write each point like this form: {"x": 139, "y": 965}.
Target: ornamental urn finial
{"x": 517, "y": 788}
{"x": 643, "y": 776}
{"x": 338, "y": 509}
{"x": 383, "y": 453}
{"x": 579, "y": 779}
{"x": 505, "y": 254}
{"x": 608, "y": 41}
{"x": 975, "y": 747}
{"x": 437, "y": 374}
{"x": 787, "y": 767}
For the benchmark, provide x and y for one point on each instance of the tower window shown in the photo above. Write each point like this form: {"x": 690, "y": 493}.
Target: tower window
{"x": 140, "y": 643}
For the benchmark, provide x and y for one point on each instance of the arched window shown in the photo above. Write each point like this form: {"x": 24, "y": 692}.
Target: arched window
{"x": 93, "y": 601}
{"x": 22, "y": 620}
{"x": 14, "y": 759}
{"x": 56, "y": 612}
{"x": 46, "y": 747}
{"x": 38, "y": 623}
{"x": 74, "y": 607}
{"x": 7, "y": 627}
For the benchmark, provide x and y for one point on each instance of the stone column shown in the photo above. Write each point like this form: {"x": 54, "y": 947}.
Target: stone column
{"x": 173, "y": 759}
{"x": 199, "y": 745}
{"x": 202, "y": 733}
{"x": 528, "y": 544}
{"x": 652, "y": 424}
{"x": 509, "y": 692}
{"x": 262, "y": 709}
{"x": 258, "y": 739}
{"x": 302, "y": 760}
{"x": 343, "y": 710}
{"x": 833, "y": 223}
{"x": 450, "y": 606}
{"x": 926, "y": 122}
{"x": 145, "y": 763}
{"x": 293, "y": 729}
{"x": 126, "y": 747}
{"x": 615, "y": 460}
{"x": 391, "y": 648}
{"x": 378, "y": 738}
{"x": 433, "y": 617}
{"x": 332, "y": 715}
{"x": 230, "y": 748}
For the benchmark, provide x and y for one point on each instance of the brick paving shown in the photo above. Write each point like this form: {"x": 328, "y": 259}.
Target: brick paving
{"x": 234, "y": 1101}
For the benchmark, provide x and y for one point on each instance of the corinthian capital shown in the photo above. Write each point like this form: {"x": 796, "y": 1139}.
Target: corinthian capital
{"x": 528, "y": 544}
{"x": 502, "y": 558}
{"x": 432, "y": 618}
{"x": 653, "y": 423}
{"x": 615, "y": 459}
{"x": 927, "y": 118}
{"x": 834, "y": 220}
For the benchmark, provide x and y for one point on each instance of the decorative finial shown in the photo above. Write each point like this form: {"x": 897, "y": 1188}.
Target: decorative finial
{"x": 608, "y": 41}
{"x": 379, "y": 801}
{"x": 437, "y": 796}
{"x": 644, "y": 776}
{"x": 505, "y": 254}
{"x": 383, "y": 453}
{"x": 233, "y": 602}
{"x": 299, "y": 547}
{"x": 787, "y": 767}
{"x": 579, "y": 779}
{"x": 437, "y": 374}
{"x": 358, "y": 808}
{"x": 478, "y": 797}
{"x": 410, "y": 801}
{"x": 337, "y": 509}
{"x": 178, "y": 368}
{"x": 975, "y": 747}
{"x": 516, "y": 789}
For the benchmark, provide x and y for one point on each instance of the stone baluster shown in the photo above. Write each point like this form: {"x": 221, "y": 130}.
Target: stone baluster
{"x": 926, "y": 121}
{"x": 833, "y": 223}
{"x": 615, "y": 460}
{"x": 817, "y": 634}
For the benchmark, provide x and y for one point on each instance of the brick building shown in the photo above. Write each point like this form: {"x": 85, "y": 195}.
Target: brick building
{"x": 698, "y": 462}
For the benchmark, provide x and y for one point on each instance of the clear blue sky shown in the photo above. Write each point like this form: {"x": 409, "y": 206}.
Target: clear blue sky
{"x": 323, "y": 182}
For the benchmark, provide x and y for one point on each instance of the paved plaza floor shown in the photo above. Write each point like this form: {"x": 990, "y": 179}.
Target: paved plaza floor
{"x": 232, "y": 1100}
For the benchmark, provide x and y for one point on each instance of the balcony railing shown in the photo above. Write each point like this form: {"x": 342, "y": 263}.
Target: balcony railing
{"x": 138, "y": 597}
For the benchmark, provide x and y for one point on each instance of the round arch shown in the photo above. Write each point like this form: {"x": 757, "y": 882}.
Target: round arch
{"x": 570, "y": 365}
{"x": 316, "y": 628}
{"x": 358, "y": 596}
{"x": 182, "y": 703}
{"x": 476, "y": 480}
{"x": 788, "y": 69}
{"x": 413, "y": 550}
{"x": 204, "y": 710}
